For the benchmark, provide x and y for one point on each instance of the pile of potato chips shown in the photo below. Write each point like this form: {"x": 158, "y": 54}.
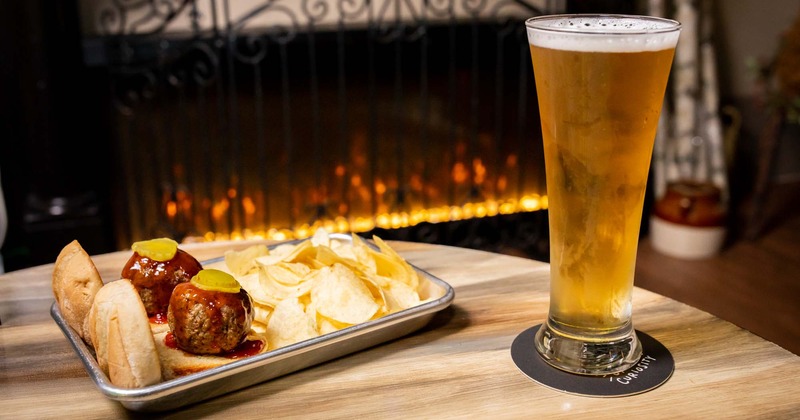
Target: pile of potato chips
{"x": 322, "y": 284}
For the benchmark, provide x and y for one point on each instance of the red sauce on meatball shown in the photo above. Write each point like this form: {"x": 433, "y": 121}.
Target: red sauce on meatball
{"x": 159, "y": 318}
{"x": 246, "y": 349}
{"x": 155, "y": 280}
{"x": 208, "y": 321}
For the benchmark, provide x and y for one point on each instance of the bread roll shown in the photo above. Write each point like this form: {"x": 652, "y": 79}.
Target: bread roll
{"x": 75, "y": 283}
{"x": 176, "y": 363}
{"x": 122, "y": 338}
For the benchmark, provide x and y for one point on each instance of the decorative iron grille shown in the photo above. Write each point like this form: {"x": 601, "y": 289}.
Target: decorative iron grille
{"x": 269, "y": 118}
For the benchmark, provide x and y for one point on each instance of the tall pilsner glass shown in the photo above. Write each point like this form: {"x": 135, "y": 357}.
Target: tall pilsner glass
{"x": 600, "y": 81}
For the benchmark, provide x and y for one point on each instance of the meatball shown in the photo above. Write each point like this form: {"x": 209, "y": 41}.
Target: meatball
{"x": 209, "y": 321}
{"x": 154, "y": 280}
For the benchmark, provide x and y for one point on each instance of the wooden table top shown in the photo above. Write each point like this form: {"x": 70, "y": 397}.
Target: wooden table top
{"x": 457, "y": 366}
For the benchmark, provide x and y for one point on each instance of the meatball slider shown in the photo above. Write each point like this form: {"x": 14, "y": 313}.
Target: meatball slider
{"x": 155, "y": 268}
{"x": 210, "y": 320}
{"x": 211, "y": 316}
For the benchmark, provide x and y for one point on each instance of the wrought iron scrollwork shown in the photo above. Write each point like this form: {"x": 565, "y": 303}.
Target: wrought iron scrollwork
{"x": 129, "y": 22}
{"x": 315, "y": 9}
{"x": 351, "y": 9}
{"x": 140, "y": 17}
{"x": 288, "y": 80}
{"x": 197, "y": 63}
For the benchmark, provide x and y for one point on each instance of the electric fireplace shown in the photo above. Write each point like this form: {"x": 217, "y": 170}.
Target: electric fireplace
{"x": 415, "y": 120}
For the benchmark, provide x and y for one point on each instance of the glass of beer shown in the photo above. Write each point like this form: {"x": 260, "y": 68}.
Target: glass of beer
{"x": 600, "y": 82}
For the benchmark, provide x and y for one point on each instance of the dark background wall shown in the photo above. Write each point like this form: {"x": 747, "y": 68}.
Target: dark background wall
{"x": 52, "y": 135}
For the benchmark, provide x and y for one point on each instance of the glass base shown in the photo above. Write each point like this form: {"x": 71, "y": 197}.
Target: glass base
{"x": 588, "y": 354}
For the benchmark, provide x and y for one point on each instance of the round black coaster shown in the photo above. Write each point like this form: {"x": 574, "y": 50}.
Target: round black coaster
{"x": 654, "y": 368}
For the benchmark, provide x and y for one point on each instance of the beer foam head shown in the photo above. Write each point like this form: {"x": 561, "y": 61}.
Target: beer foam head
{"x": 603, "y": 33}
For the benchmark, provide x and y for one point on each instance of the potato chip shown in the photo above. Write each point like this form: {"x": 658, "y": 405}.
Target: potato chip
{"x": 260, "y": 328}
{"x": 288, "y": 273}
{"x": 398, "y": 268}
{"x": 376, "y": 290}
{"x": 275, "y": 290}
{"x": 252, "y": 285}
{"x": 340, "y": 295}
{"x": 299, "y": 269}
{"x": 363, "y": 253}
{"x": 326, "y": 256}
{"x": 261, "y": 312}
{"x": 321, "y": 237}
{"x": 289, "y": 324}
{"x": 344, "y": 250}
{"x": 300, "y": 253}
{"x": 400, "y": 296}
{"x": 304, "y": 289}
{"x": 387, "y": 266}
{"x": 283, "y": 249}
{"x": 326, "y": 325}
{"x": 243, "y": 262}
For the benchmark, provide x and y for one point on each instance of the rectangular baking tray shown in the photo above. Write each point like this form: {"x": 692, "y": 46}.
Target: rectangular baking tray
{"x": 245, "y": 372}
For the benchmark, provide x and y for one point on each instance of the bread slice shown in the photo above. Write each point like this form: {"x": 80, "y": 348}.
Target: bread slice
{"x": 75, "y": 283}
{"x": 122, "y": 338}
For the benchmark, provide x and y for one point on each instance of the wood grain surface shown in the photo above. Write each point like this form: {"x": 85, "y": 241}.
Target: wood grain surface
{"x": 457, "y": 366}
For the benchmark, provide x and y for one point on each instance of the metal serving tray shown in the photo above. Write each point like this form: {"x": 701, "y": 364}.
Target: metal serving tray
{"x": 245, "y": 372}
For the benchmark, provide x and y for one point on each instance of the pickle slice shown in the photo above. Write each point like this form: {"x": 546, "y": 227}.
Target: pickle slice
{"x": 216, "y": 281}
{"x": 160, "y": 249}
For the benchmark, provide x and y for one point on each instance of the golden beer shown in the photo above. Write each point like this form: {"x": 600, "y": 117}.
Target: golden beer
{"x": 600, "y": 91}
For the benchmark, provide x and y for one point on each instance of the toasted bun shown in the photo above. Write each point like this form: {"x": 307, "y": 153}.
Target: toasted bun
{"x": 176, "y": 363}
{"x": 159, "y": 328}
{"x": 75, "y": 283}
{"x": 122, "y": 338}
